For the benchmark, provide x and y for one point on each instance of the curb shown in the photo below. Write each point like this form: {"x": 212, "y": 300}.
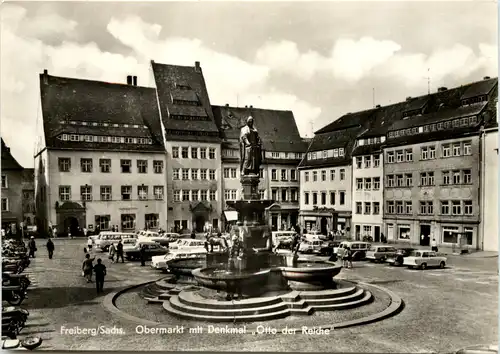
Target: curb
{"x": 395, "y": 307}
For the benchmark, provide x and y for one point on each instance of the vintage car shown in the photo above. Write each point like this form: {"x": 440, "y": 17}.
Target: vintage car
{"x": 315, "y": 234}
{"x": 152, "y": 249}
{"x": 379, "y": 253}
{"x": 313, "y": 246}
{"x": 423, "y": 259}
{"x": 160, "y": 262}
{"x": 328, "y": 247}
{"x": 106, "y": 238}
{"x": 358, "y": 249}
{"x": 163, "y": 239}
{"x": 187, "y": 243}
{"x": 283, "y": 239}
{"x": 397, "y": 258}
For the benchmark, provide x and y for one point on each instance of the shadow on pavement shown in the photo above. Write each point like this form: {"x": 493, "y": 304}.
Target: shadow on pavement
{"x": 63, "y": 296}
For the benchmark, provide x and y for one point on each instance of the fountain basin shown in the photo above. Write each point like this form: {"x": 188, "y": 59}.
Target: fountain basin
{"x": 220, "y": 279}
{"x": 310, "y": 275}
{"x": 184, "y": 267}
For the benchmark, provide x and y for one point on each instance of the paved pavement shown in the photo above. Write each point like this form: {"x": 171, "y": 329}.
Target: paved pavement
{"x": 444, "y": 309}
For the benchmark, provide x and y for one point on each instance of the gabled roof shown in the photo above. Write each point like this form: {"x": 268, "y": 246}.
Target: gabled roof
{"x": 348, "y": 120}
{"x": 479, "y": 88}
{"x": 8, "y": 161}
{"x": 66, "y": 99}
{"x": 277, "y": 129}
{"x": 186, "y": 82}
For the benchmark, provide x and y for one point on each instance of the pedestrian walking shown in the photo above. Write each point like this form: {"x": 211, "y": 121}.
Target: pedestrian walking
{"x": 32, "y": 247}
{"x": 112, "y": 252}
{"x": 50, "y": 248}
{"x": 87, "y": 267}
{"x": 119, "y": 251}
{"x": 434, "y": 245}
{"x": 85, "y": 231}
{"x": 347, "y": 258}
{"x": 100, "y": 273}
{"x": 142, "y": 253}
{"x": 89, "y": 243}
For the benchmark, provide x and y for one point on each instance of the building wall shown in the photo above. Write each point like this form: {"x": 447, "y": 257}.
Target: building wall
{"x": 365, "y": 224}
{"x": 116, "y": 206}
{"x": 180, "y": 210}
{"x": 287, "y": 215}
{"x": 489, "y": 192}
{"x": 335, "y": 184}
{"x": 13, "y": 195}
{"x": 42, "y": 201}
{"x": 434, "y": 193}
{"x": 28, "y": 187}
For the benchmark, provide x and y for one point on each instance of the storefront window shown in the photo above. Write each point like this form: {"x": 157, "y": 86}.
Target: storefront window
{"x": 404, "y": 232}
{"x": 450, "y": 234}
{"x": 468, "y": 234}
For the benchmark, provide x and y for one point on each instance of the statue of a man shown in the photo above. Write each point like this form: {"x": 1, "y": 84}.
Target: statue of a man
{"x": 250, "y": 149}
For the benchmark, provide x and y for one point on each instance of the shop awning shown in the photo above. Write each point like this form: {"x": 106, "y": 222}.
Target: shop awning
{"x": 231, "y": 215}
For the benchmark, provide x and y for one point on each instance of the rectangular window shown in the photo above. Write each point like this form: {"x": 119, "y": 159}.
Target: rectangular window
{"x": 446, "y": 150}
{"x": 399, "y": 156}
{"x": 376, "y": 160}
{"x": 233, "y": 173}
{"x": 203, "y": 153}
{"x": 194, "y": 195}
{"x": 359, "y": 183}
{"x": 103, "y": 222}
{"x": 105, "y": 192}
{"x": 467, "y": 148}
{"x": 430, "y": 178}
{"x": 368, "y": 208}
{"x": 359, "y": 208}
{"x": 5, "y": 204}
{"x": 332, "y": 198}
{"x": 194, "y": 174}
{"x": 315, "y": 176}
{"x": 142, "y": 192}
{"x": 404, "y": 232}
{"x": 185, "y": 152}
{"x": 468, "y": 207}
{"x": 467, "y": 176}
{"x": 226, "y": 172}
{"x": 185, "y": 195}
{"x": 284, "y": 195}
{"x": 261, "y": 173}
{"x": 86, "y": 193}
{"x": 64, "y": 164}
{"x": 293, "y": 175}
{"x": 332, "y": 175}
{"x": 390, "y": 157}
{"x": 315, "y": 198}
{"x": 105, "y": 165}
{"x": 185, "y": 174}
{"x": 293, "y": 195}
{"x": 376, "y": 183}
{"x": 457, "y": 149}
{"x": 306, "y": 198}
{"x": 390, "y": 181}
{"x": 64, "y": 193}
{"x": 211, "y": 175}
{"x": 409, "y": 179}
{"x": 233, "y": 194}
{"x": 456, "y": 177}
{"x": 128, "y": 221}
{"x": 409, "y": 155}
{"x": 400, "y": 181}
{"x": 151, "y": 221}
{"x": 341, "y": 152}
{"x": 203, "y": 174}
{"x": 368, "y": 184}
{"x": 368, "y": 161}
{"x": 284, "y": 176}
{"x": 203, "y": 195}
{"x": 376, "y": 208}
{"x": 432, "y": 152}
{"x": 274, "y": 175}
{"x": 408, "y": 207}
{"x": 342, "y": 174}
{"x": 142, "y": 166}
{"x": 446, "y": 177}
{"x": 4, "y": 182}
{"x": 359, "y": 161}
{"x": 456, "y": 207}
{"x": 175, "y": 174}
{"x": 158, "y": 166}
{"x": 175, "y": 152}
{"x": 194, "y": 152}
{"x": 212, "y": 195}
{"x": 424, "y": 153}
{"x": 177, "y": 195}
{"x": 390, "y": 207}
{"x": 126, "y": 192}
{"x": 323, "y": 198}
{"x": 342, "y": 197}
{"x": 227, "y": 194}
{"x": 445, "y": 207}
{"x": 211, "y": 154}
{"x": 399, "y": 207}
{"x": 126, "y": 166}
{"x": 262, "y": 193}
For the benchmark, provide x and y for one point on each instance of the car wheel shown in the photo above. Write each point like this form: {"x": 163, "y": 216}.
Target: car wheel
{"x": 423, "y": 266}
{"x": 442, "y": 265}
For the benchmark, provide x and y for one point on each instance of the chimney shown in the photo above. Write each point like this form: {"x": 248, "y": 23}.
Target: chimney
{"x": 227, "y": 104}
{"x": 45, "y": 76}
{"x": 251, "y": 106}
{"x": 129, "y": 79}
{"x": 246, "y": 106}
{"x": 486, "y": 78}
{"x": 197, "y": 67}
{"x": 441, "y": 89}
{"x": 134, "y": 80}
{"x": 377, "y": 106}
{"x": 408, "y": 98}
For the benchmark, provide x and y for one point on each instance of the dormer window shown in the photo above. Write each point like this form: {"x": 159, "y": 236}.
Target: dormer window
{"x": 335, "y": 152}
{"x": 341, "y": 152}
{"x": 105, "y": 124}
{"x": 382, "y": 139}
{"x": 325, "y": 154}
{"x": 115, "y": 125}
{"x": 361, "y": 142}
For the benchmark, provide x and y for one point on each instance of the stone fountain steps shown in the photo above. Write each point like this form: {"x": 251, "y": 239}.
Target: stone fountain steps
{"x": 230, "y": 310}
{"x": 192, "y": 299}
{"x": 358, "y": 294}
{"x": 366, "y": 299}
{"x": 327, "y": 294}
{"x": 224, "y": 317}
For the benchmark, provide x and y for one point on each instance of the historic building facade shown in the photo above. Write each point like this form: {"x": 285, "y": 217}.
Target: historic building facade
{"x": 100, "y": 161}
{"x": 11, "y": 199}
{"x": 28, "y": 188}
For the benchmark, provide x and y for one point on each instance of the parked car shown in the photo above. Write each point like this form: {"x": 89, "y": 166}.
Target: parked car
{"x": 163, "y": 239}
{"x": 327, "y": 247}
{"x": 315, "y": 234}
{"x": 358, "y": 249}
{"x": 379, "y": 253}
{"x": 397, "y": 258}
{"x": 187, "y": 243}
{"x": 105, "y": 239}
{"x": 152, "y": 249}
{"x": 423, "y": 259}
{"x": 479, "y": 349}
{"x": 310, "y": 246}
{"x": 160, "y": 262}
{"x": 283, "y": 238}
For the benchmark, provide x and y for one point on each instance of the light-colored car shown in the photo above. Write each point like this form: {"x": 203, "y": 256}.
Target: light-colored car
{"x": 160, "y": 262}
{"x": 313, "y": 234}
{"x": 106, "y": 238}
{"x": 187, "y": 243}
{"x": 283, "y": 237}
{"x": 163, "y": 239}
{"x": 310, "y": 246}
{"x": 424, "y": 259}
{"x": 358, "y": 249}
{"x": 379, "y": 253}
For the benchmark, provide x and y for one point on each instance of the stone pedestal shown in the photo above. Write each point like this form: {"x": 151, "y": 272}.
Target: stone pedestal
{"x": 250, "y": 187}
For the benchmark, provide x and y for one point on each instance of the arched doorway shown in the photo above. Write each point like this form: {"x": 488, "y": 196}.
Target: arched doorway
{"x": 71, "y": 224}
{"x": 200, "y": 222}
{"x": 324, "y": 225}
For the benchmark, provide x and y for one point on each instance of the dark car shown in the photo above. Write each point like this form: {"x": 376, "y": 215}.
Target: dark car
{"x": 327, "y": 248}
{"x": 398, "y": 258}
{"x": 152, "y": 249}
